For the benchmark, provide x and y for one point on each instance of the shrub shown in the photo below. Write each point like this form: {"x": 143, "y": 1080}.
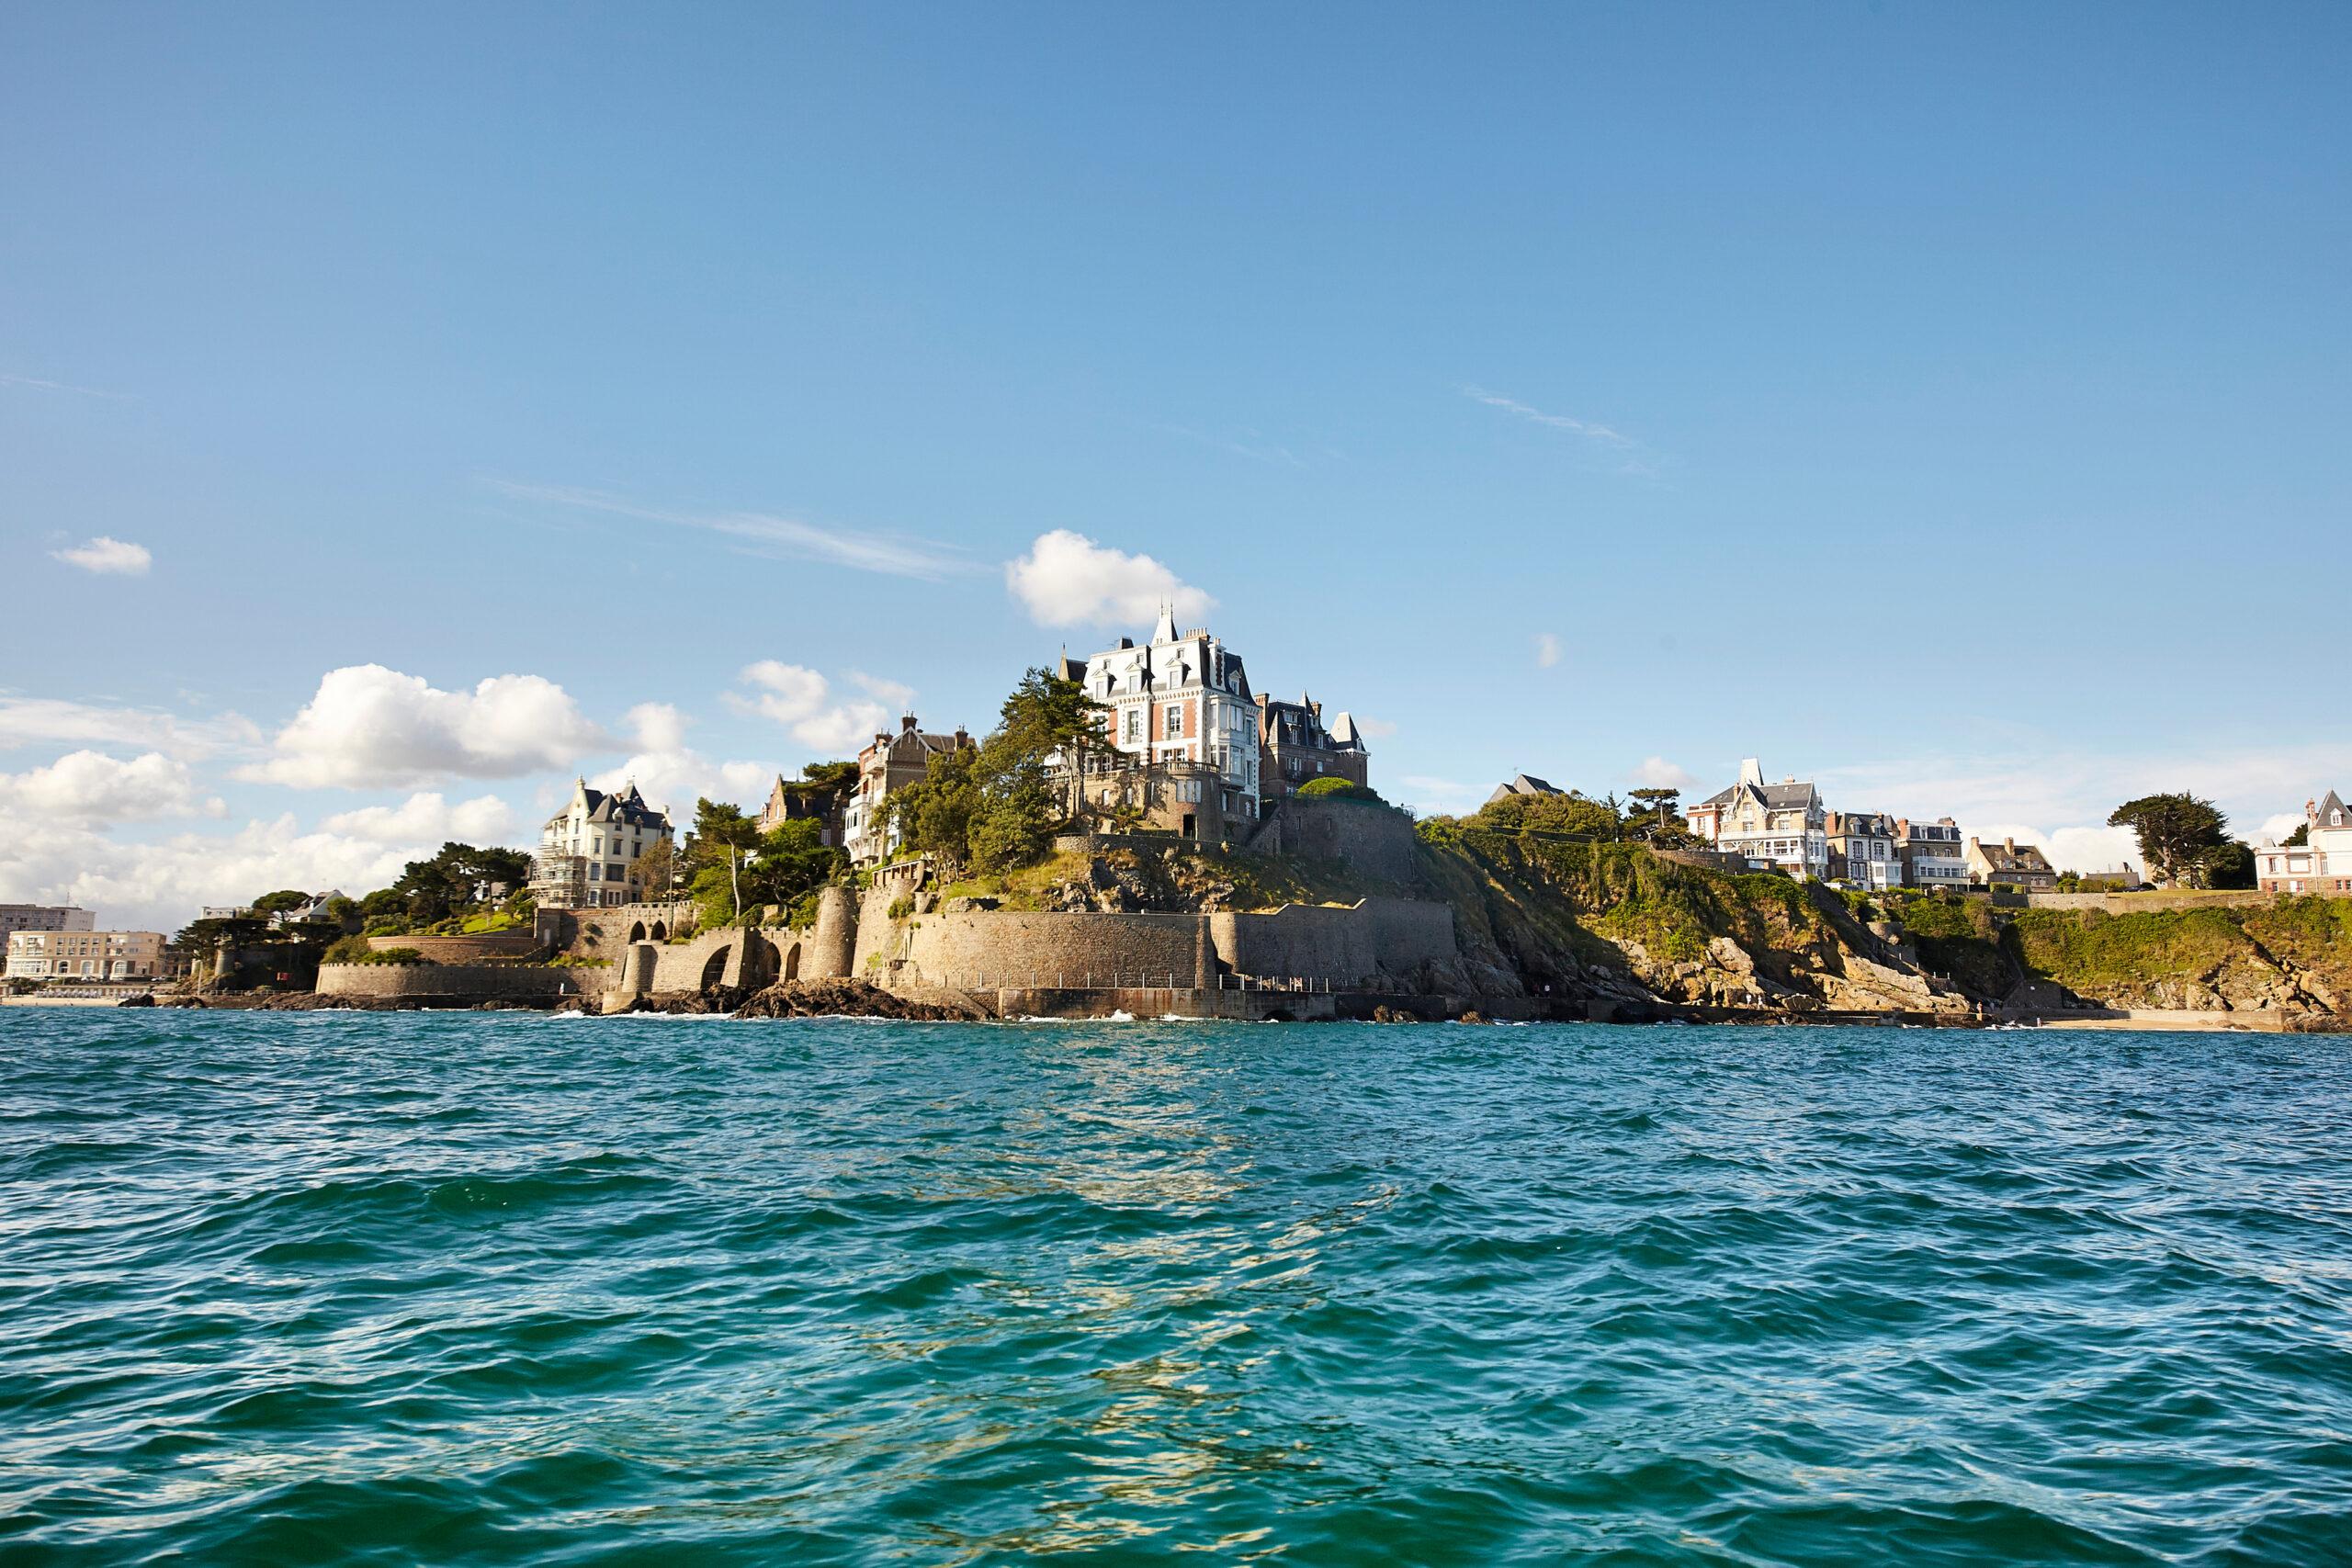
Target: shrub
{"x": 1327, "y": 788}
{"x": 394, "y": 955}
{"x": 902, "y": 905}
{"x": 349, "y": 950}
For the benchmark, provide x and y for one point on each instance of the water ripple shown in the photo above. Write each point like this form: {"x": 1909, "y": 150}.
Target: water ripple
{"x": 495, "y": 1287}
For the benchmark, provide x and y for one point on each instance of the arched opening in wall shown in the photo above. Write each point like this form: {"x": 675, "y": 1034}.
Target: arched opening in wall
{"x": 636, "y": 931}
{"x": 661, "y": 931}
{"x": 792, "y": 963}
{"x": 715, "y": 968}
{"x": 759, "y": 961}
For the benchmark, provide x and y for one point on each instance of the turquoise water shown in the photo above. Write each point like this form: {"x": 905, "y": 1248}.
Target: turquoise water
{"x": 456, "y": 1289}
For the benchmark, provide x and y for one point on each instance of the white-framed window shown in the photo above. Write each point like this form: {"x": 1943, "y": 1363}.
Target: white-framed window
{"x": 1175, "y": 723}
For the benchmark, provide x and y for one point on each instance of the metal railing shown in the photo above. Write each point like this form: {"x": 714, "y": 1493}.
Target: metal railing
{"x": 1143, "y": 980}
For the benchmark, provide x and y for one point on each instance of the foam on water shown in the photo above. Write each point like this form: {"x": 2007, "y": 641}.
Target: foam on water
{"x": 450, "y": 1288}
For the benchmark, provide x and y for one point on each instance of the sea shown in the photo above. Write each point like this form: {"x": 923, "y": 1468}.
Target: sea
{"x": 501, "y": 1287}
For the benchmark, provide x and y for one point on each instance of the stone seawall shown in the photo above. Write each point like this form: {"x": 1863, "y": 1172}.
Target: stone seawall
{"x": 1394, "y": 942}
{"x": 462, "y": 949}
{"x": 1396, "y": 938}
{"x": 454, "y": 983}
{"x": 2144, "y": 903}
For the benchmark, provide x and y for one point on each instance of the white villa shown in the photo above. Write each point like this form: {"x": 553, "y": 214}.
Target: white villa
{"x": 587, "y": 849}
{"x": 1182, "y": 698}
{"x": 1781, "y": 825}
{"x": 2321, "y": 864}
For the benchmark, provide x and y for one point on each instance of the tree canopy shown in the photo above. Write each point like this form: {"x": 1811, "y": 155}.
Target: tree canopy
{"x": 2184, "y": 840}
{"x": 992, "y": 807}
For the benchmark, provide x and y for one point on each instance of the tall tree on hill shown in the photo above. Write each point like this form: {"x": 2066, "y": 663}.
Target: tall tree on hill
{"x": 2179, "y": 835}
{"x": 1047, "y": 713}
{"x": 1655, "y": 811}
{"x": 722, "y": 840}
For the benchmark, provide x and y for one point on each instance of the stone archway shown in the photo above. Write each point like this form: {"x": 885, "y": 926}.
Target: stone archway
{"x": 714, "y": 969}
{"x": 661, "y": 931}
{"x": 636, "y": 932}
{"x": 792, "y": 963}
{"x": 759, "y": 961}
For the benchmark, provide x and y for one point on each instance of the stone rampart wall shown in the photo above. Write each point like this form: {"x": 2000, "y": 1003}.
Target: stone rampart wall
{"x": 1379, "y": 937}
{"x": 2143, "y": 903}
{"x": 462, "y": 949}
{"x": 453, "y": 982}
{"x": 1374, "y": 839}
{"x": 1005, "y": 946}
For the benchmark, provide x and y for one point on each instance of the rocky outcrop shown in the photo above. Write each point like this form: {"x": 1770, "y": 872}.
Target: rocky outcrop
{"x": 850, "y": 998}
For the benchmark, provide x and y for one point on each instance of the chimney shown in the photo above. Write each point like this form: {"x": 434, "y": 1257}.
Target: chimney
{"x": 2011, "y": 845}
{"x": 1972, "y": 844}
{"x": 907, "y": 724}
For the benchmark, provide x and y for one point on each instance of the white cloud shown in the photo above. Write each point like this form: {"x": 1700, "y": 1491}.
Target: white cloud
{"x": 428, "y": 819}
{"x": 1547, "y": 651}
{"x": 767, "y": 535}
{"x": 160, "y": 885}
{"x": 2278, "y": 827}
{"x": 672, "y": 775}
{"x": 118, "y": 558}
{"x": 1068, "y": 580}
{"x": 1617, "y": 441}
{"x": 1657, "y": 773}
{"x": 30, "y": 720}
{"x": 802, "y": 700}
{"x": 89, "y": 788}
{"x": 896, "y": 693}
{"x": 369, "y": 727}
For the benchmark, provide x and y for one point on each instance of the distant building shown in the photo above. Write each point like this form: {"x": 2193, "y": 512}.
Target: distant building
{"x": 2122, "y": 879}
{"x": 1295, "y": 746}
{"x": 1933, "y": 853}
{"x": 1863, "y": 848}
{"x": 2321, "y": 864}
{"x": 225, "y": 912}
{"x": 889, "y": 764}
{"x": 2010, "y": 864}
{"x": 44, "y": 918}
{"x": 1183, "y": 699}
{"x": 1522, "y": 784}
{"x": 315, "y": 908}
{"x": 586, "y": 849}
{"x": 85, "y": 954}
{"x": 803, "y": 800}
{"x": 1780, "y": 825}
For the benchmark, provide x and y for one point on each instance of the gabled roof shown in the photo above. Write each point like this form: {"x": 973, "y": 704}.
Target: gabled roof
{"x": 1795, "y": 796}
{"x": 1343, "y": 733}
{"x": 2328, "y": 808}
{"x": 1523, "y": 784}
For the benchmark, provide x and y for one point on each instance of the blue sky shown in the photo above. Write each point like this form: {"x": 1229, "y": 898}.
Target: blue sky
{"x": 1909, "y": 395}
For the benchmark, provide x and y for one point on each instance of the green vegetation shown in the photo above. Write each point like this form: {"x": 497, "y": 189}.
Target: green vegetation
{"x": 990, "y": 808}
{"x": 2186, "y": 842}
{"x": 347, "y": 950}
{"x": 1329, "y": 788}
{"x": 731, "y": 867}
{"x": 389, "y": 956}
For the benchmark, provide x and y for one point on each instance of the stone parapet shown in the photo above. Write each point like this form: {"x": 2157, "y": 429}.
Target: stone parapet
{"x": 452, "y": 984}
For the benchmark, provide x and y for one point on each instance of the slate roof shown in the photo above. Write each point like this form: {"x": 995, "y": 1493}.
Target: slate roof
{"x": 1776, "y": 797}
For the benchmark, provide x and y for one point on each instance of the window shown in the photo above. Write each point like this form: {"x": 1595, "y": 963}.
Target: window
{"x": 1131, "y": 725}
{"x": 1175, "y": 723}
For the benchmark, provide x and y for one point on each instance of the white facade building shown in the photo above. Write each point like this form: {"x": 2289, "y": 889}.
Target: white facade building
{"x": 586, "y": 849}
{"x": 85, "y": 955}
{"x": 1934, "y": 854}
{"x": 2321, "y": 864}
{"x": 44, "y": 918}
{"x": 1782, "y": 825}
{"x": 1181, "y": 697}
